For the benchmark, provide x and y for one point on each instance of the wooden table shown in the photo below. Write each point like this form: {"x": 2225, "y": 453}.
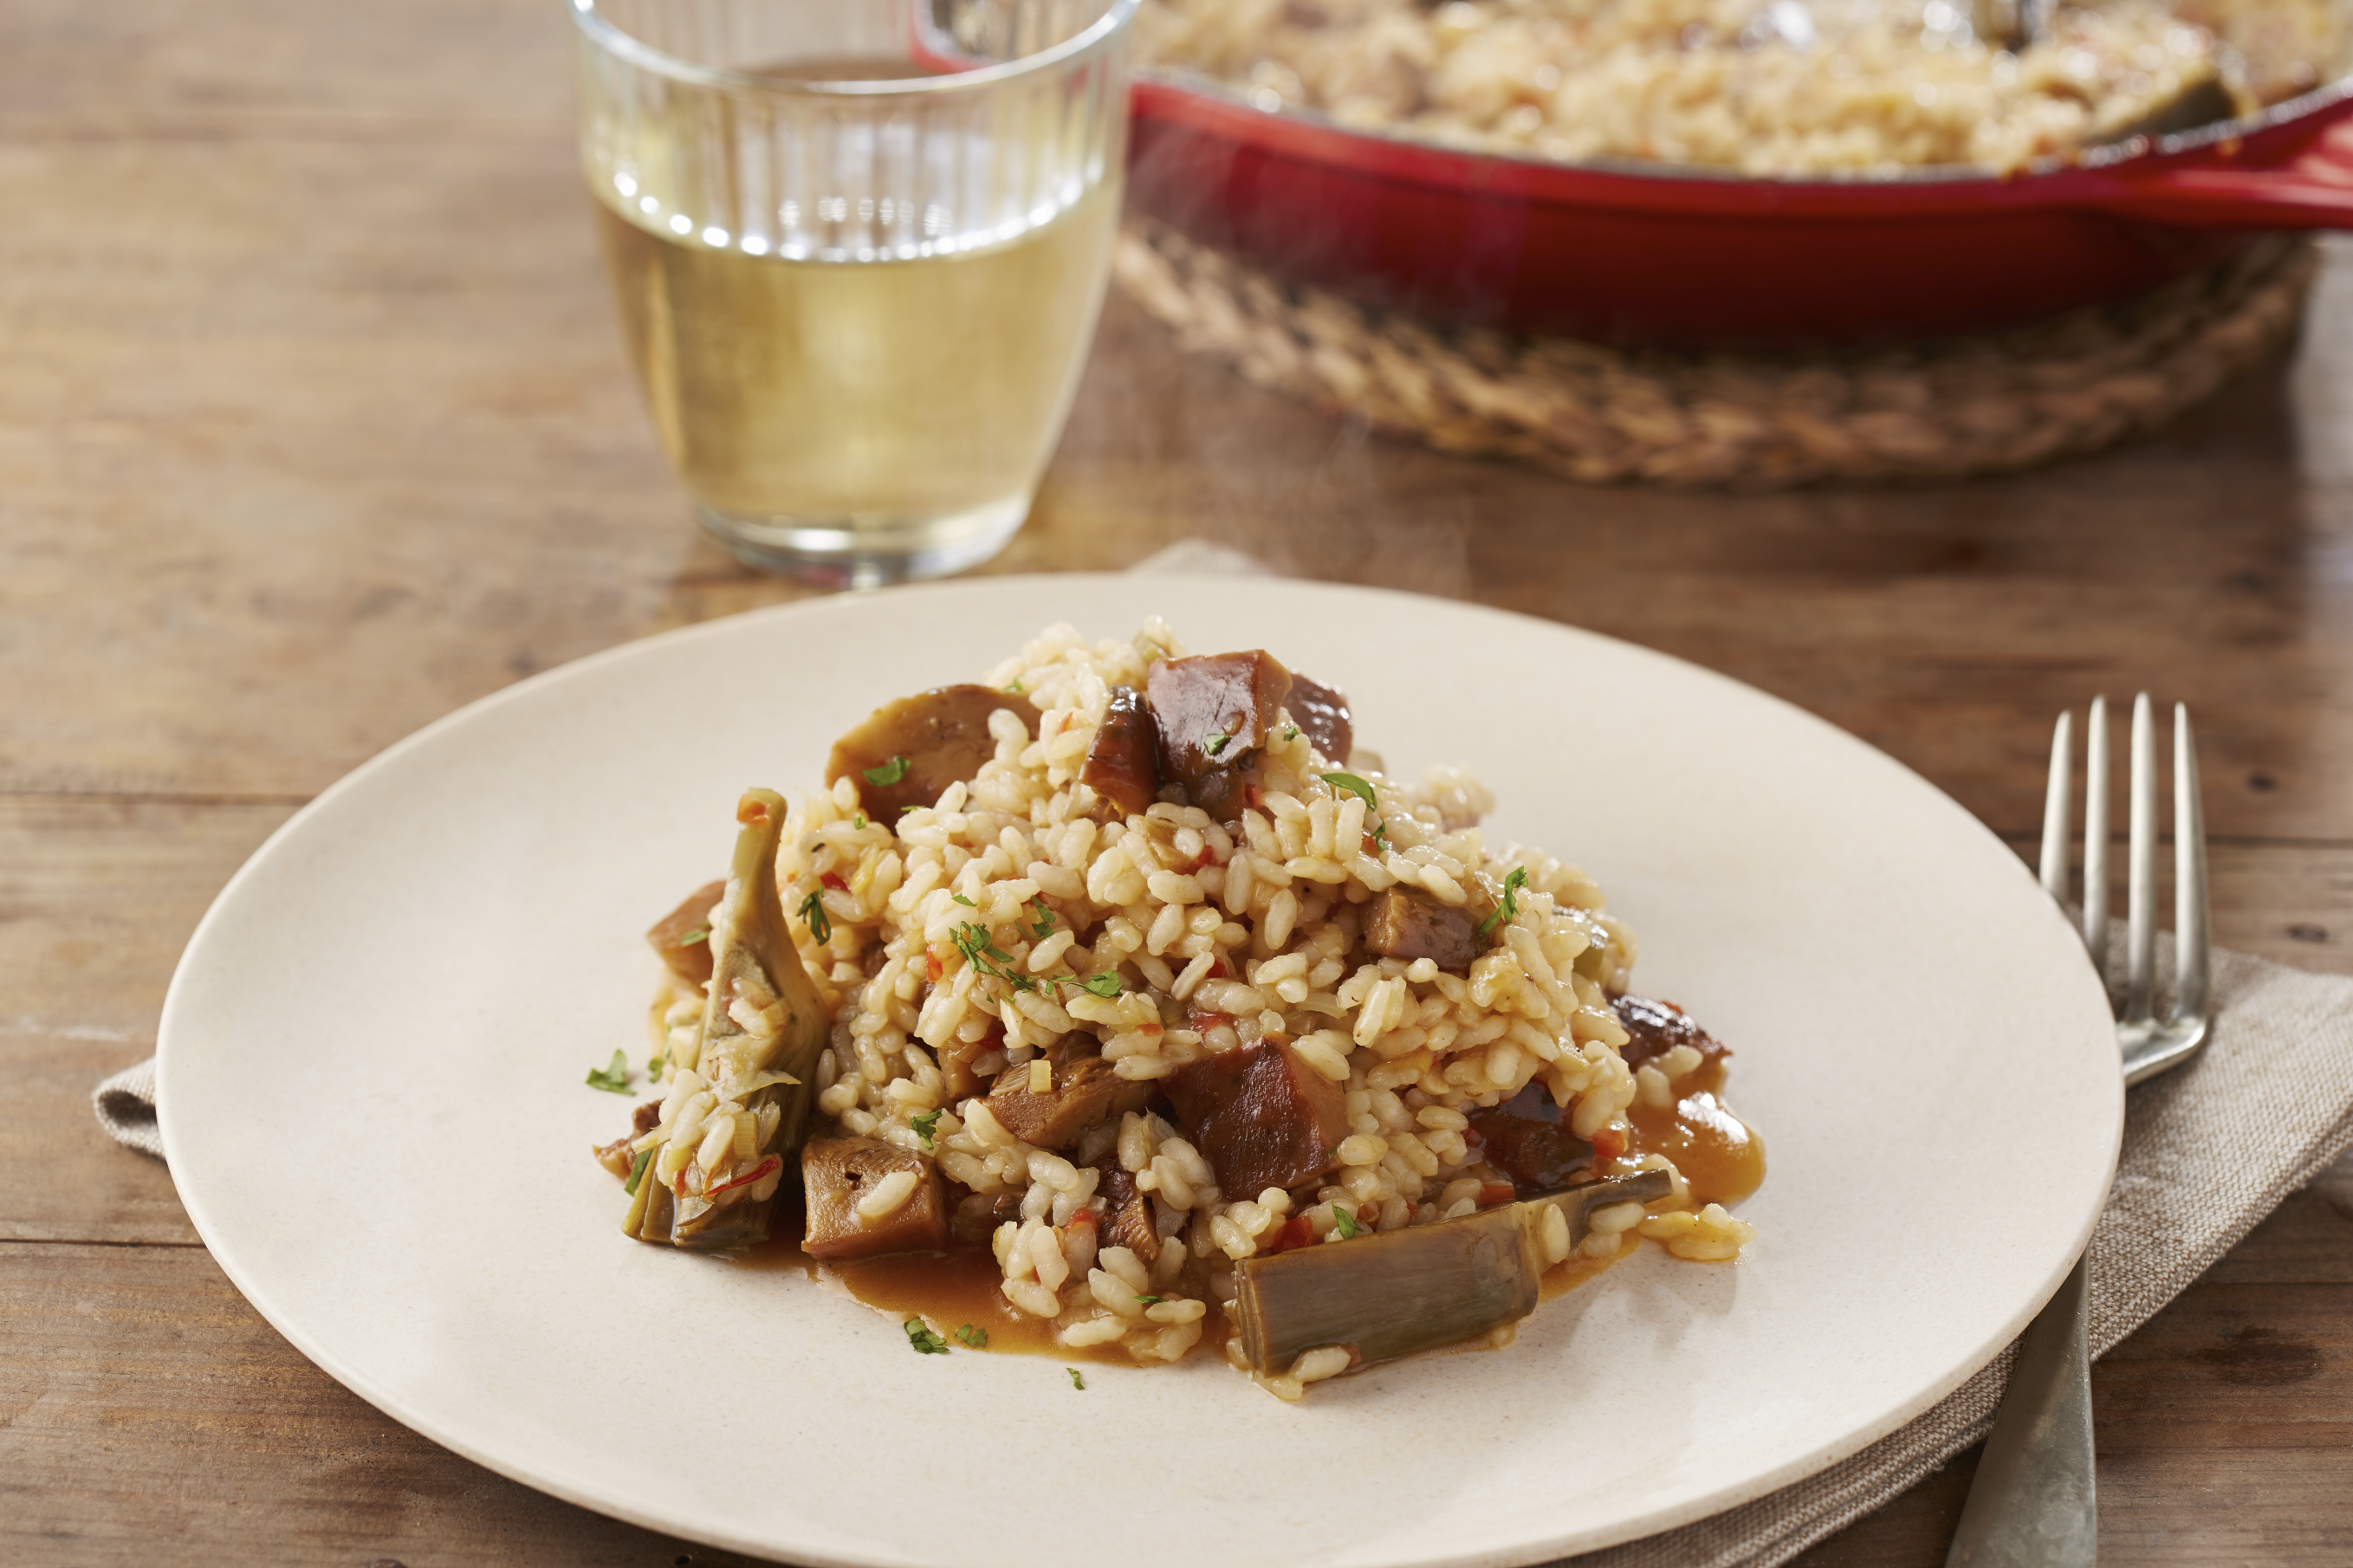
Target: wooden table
{"x": 314, "y": 426}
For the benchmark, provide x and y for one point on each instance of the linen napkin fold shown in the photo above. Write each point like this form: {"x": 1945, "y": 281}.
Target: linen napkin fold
{"x": 2209, "y": 1150}
{"x": 2274, "y": 1088}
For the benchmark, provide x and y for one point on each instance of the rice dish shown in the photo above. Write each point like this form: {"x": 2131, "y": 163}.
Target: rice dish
{"x": 1131, "y": 969}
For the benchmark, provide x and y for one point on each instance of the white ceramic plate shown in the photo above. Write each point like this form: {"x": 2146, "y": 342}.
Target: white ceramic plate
{"x": 372, "y": 1099}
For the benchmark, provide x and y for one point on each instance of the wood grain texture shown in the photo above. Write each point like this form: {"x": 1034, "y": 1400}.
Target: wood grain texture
{"x": 314, "y": 425}
{"x": 147, "y": 1414}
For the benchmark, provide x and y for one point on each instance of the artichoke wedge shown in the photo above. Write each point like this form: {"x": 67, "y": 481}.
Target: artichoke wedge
{"x": 724, "y": 1147}
{"x": 1415, "y": 1290}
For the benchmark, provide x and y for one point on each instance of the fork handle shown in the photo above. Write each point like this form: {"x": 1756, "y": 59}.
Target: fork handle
{"x": 2033, "y": 1505}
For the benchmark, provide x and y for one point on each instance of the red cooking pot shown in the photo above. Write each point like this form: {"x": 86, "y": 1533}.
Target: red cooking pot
{"x": 1665, "y": 254}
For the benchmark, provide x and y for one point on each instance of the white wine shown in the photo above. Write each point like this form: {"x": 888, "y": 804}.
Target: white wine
{"x": 865, "y": 398}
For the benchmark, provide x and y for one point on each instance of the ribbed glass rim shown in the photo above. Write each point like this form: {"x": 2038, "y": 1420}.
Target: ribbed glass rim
{"x": 628, "y": 47}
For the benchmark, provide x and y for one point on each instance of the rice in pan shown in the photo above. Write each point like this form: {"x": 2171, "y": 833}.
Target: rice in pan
{"x": 1764, "y": 87}
{"x": 1130, "y": 968}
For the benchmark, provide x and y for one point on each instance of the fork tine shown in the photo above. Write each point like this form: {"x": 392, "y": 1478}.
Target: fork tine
{"x": 2140, "y": 873}
{"x": 2055, "y": 812}
{"x": 2096, "y": 836}
{"x": 2189, "y": 938}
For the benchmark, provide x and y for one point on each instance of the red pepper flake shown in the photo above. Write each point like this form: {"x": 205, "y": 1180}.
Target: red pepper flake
{"x": 1203, "y": 1020}
{"x": 1083, "y": 1217}
{"x": 1251, "y": 794}
{"x": 1147, "y": 1028}
{"x": 1292, "y": 1233}
{"x": 1609, "y": 1143}
{"x": 750, "y": 809}
{"x": 1220, "y": 969}
{"x": 765, "y": 1166}
{"x": 833, "y": 879}
{"x": 933, "y": 965}
{"x": 1207, "y": 856}
{"x": 1372, "y": 847}
{"x": 1493, "y": 1192}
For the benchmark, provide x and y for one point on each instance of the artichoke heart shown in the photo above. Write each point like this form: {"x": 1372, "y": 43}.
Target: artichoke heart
{"x": 1414, "y": 1290}
{"x": 764, "y": 1027}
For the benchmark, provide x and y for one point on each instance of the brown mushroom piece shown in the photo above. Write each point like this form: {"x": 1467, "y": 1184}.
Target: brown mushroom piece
{"x": 908, "y": 751}
{"x": 1085, "y": 1090}
{"x": 1127, "y": 1213}
{"x": 1407, "y": 926}
{"x": 1654, "y": 1028}
{"x": 1214, "y": 714}
{"x": 1419, "y": 1289}
{"x": 681, "y": 939}
{"x": 1322, "y": 714}
{"x": 1528, "y": 1139}
{"x": 976, "y": 1216}
{"x": 1260, "y": 1115}
{"x": 838, "y": 1174}
{"x": 1122, "y": 764}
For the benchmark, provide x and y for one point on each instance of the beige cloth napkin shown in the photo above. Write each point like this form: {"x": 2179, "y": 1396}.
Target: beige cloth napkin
{"x": 2209, "y": 1150}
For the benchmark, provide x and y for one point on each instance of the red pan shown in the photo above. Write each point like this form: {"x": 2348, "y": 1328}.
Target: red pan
{"x": 1625, "y": 252}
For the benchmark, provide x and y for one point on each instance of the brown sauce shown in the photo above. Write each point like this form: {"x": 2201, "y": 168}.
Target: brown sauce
{"x": 949, "y": 1291}
{"x": 1719, "y": 1154}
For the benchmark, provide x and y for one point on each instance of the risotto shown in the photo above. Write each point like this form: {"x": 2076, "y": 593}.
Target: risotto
{"x": 1780, "y": 86}
{"x": 1129, "y": 979}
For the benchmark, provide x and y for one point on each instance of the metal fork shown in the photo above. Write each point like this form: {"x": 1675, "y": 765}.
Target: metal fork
{"x": 2033, "y": 1503}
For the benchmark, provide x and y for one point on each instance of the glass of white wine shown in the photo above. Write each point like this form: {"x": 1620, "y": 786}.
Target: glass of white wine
{"x": 858, "y": 248}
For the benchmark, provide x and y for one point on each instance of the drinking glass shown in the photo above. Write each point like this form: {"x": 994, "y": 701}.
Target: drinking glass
{"x": 858, "y": 248}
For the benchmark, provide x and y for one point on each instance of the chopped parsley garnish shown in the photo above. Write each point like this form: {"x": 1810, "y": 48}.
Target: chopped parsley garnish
{"x": 981, "y": 951}
{"x": 1216, "y": 744}
{"x": 886, "y": 776}
{"x": 1511, "y": 904}
{"x": 813, "y": 910}
{"x": 925, "y": 1342}
{"x": 1148, "y": 1301}
{"x": 1351, "y": 785}
{"x": 859, "y": 822}
{"x": 1105, "y": 986}
{"x": 977, "y": 1338}
{"x": 1076, "y": 1381}
{"x": 924, "y": 1124}
{"x": 700, "y": 933}
{"x": 1344, "y": 1223}
{"x": 613, "y": 1076}
{"x": 1291, "y": 731}
{"x": 1045, "y": 926}
{"x": 637, "y": 1172}
{"x": 1016, "y": 688}
{"x": 656, "y": 1063}
{"x": 967, "y": 903}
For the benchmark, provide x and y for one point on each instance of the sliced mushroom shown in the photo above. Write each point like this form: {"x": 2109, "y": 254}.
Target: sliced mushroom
{"x": 1123, "y": 763}
{"x": 1654, "y": 1028}
{"x": 1260, "y": 1115}
{"x": 1528, "y": 1139}
{"x": 840, "y": 1173}
{"x": 1214, "y": 713}
{"x": 1322, "y": 715}
{"x": 682, "y": 937}
{"x": 1405, "y": 925}
{"x": 1419, "y": 1288}
{"x": 1127, "y": 1213}
{"x": 977, "y": 1215}
{"x": 1084, "y": 1090}
{"x": 909, "y": 750}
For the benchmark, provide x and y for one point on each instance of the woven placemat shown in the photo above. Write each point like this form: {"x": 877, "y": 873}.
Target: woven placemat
{"x": 1985, "y": 405}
